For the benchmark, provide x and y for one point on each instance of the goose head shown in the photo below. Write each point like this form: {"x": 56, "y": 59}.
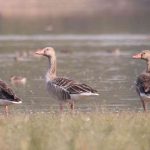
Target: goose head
{"x": 48, "y": 52}
{"x": 145, "y": 54}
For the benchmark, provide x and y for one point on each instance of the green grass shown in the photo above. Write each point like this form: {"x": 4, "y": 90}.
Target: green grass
{"x": 90, "y": 131}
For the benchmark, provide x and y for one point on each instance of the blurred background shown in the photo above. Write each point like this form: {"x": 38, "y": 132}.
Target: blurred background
{"x": 74, "y": 16}
{"x": 94, "y": 42}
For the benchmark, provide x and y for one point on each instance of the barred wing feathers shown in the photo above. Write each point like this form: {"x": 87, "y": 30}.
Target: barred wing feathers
{"x": 73, "y": 87}
{"x": 6, "y": 92}
{"x": 143, "y": 83}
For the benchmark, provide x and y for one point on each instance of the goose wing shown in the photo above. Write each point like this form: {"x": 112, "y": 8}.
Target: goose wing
{"x": 143, "y": 83}
{"x": 57, "y": 88}
{"x": 6, "y": 92}
{"x": 73, "y": 87}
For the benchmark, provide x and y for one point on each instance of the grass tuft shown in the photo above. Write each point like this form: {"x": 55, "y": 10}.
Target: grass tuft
{"x": 82, "y": 131}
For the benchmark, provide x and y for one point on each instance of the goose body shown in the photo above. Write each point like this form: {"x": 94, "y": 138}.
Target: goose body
{"x": 64, "y": 89}
{"x": 7, "y": 96}
{"x": 143, "y": 80}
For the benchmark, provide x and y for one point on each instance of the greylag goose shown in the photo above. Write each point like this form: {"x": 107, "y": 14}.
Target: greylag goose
{"x": 143, "y": 80}
{"x": 64, "y": 89}
{"x": 16, "y": 80}
{"x": 7, "y": 96}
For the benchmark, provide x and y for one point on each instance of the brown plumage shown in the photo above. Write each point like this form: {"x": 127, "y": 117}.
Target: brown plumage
{"x": 64, "y": 89}
{"x": 143, "y": 80}
{"x": 72, "y": 86}
{"x": 7, "y": 96}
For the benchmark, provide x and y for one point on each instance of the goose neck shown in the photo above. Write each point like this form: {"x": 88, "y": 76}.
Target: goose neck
{"x": 51, "y": 73}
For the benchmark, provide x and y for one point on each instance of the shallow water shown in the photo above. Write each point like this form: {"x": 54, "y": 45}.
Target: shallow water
{"x": 102, "y": 61}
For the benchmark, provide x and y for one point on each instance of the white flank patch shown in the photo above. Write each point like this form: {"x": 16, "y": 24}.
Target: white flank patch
{"x": 144, "y": 95}
{"x": 78, "y": 96}
{"x": 20, "y": 102}
{"x": 88, "y": 94}
{"x": 8, "y": 102}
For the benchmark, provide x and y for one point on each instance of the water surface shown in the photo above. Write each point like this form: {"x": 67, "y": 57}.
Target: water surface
{"x": 102, "y": 61}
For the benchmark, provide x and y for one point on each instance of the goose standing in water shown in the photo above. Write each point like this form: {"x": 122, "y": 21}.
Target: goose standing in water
{"x": 7, "y": 96}
{"x": 143, "y": 80}
{"x": 64, "y": 89}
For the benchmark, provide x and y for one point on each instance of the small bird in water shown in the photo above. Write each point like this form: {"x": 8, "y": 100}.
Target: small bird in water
{"x": 7, "y": 96}
{"x": 21, "y": 56}
{"x": 143, "y": 80}
{"x": 116, "y": 52}
{"x": 16, "y": 80}
{"x": 64, "y": 89}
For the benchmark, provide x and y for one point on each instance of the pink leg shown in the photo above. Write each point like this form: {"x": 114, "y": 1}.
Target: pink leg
{"x": 6, "y": 110}
{"x": 61, "y": 107}
{"x": 72, "y": 106}
{"x": 144, "y": 104}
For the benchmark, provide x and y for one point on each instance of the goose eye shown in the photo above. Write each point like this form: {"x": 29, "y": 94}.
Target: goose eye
{"x": 143, "y": 54}
{"x": 46, "y": 50}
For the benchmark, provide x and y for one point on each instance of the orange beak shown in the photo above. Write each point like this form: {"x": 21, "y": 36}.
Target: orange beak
{"x": 40, "y": 52}
{"x": 137, "y": 56}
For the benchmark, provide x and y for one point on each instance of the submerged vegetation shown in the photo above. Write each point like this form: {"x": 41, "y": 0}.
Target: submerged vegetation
{"x": 81, "y": 131}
